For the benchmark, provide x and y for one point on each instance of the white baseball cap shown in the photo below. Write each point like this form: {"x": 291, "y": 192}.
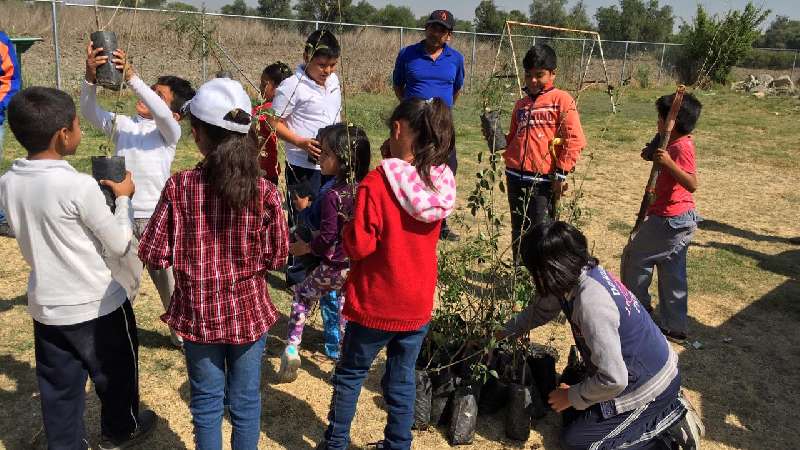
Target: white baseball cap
{"x": 224, "y": 103}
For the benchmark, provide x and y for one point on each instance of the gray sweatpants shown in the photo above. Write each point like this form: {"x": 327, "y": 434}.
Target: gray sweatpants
{"x": 662, "y": 242}
{"x": 162, "y": 278}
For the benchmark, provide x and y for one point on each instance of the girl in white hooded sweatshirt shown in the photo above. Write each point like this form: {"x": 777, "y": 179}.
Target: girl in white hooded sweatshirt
{"x": 391, "y": 242}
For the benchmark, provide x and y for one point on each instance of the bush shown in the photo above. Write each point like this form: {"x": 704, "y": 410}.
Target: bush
{"x": 768, "y": 59}
{"x": 642, "y": 76}
{"x": 713, "y": 46}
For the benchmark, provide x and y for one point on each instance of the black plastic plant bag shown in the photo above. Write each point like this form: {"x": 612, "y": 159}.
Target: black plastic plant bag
{"x": 518, "y": 413}
{"x": 542, "y": 362}
{"x": 574, "y": 373}
{"x": 422, "y": 403}
{"x": 464, "y": 417}
{"x": 494, "y": 396}
{"x": 443, "y": 387}
{"x": 108, "y": 168}
{"x": 493, "y": 132}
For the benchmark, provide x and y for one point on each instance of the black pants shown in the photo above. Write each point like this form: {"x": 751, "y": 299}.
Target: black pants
{"x": 106, "y": 349}
{"x": 530, "y": 202}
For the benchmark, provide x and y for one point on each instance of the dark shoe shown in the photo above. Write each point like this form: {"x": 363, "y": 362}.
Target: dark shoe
{"x": 688, "y": 431}
{"x": 147, "y": 423}
{"x": 674, "y": 336}
{"x": 448, "y": 235}
{"x": 794, "y": 241}
{"x": 5, "y": 230}
{"x": 377, "y": 445}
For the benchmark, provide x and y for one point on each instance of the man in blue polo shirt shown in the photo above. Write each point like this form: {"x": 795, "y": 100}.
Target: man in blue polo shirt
{"x": 431, "y": 68}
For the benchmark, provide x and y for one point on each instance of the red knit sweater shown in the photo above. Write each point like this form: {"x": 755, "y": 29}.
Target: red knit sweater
{"x": 393, "y": 263}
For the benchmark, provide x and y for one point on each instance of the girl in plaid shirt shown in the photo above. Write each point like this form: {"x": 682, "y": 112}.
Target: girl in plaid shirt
{"x": 221, "y": 227}
{"x": 345, "y": 155}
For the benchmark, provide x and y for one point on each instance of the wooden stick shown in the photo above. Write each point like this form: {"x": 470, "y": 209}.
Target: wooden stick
{"x": 650, "y": 189}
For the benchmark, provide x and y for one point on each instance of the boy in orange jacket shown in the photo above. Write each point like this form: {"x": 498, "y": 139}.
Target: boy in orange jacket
{"x": 536, "y": 176}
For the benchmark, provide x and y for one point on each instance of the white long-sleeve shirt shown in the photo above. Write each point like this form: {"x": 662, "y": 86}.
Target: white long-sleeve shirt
{"x": 148, "y": 145}
{"x": 64, "y": 230}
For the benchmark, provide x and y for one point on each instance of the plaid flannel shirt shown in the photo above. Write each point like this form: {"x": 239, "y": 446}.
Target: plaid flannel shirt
{"x": 220, "y": 258}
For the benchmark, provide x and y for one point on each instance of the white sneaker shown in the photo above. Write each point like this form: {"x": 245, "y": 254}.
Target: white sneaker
{"x": 290, "y": 362}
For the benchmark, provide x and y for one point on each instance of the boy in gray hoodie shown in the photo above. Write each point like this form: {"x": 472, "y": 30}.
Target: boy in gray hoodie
{"x": 83, "y": 323}
{"x": 631, "y": 396}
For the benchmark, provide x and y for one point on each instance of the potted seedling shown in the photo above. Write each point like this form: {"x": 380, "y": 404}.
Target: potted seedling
{"x": 107, "y": 167}
{"x": 108, "y": 75}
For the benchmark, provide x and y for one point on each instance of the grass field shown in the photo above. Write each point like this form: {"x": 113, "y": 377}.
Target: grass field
{"x": 744, "y": 281}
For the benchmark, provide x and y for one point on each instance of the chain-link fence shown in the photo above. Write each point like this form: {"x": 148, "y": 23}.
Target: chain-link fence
{"x": 171, "y": 42}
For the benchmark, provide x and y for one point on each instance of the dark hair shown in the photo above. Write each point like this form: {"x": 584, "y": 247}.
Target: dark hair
{"x": 182, "y": 91}
{"x": 277, "y": 72}
{"x": 37, "y": 113}
{"x": 351, "y": 146}
{"x": 322, "y": 43}
{"x": 687, "y": 115}
{"x": 555, "y": 253}
{"x": 540, "y": 56}
{"x": 231, "y": 165}
{"x": 432, "y": 121}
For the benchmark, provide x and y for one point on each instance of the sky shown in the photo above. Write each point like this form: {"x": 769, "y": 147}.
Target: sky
{"x": 684, "y": 9}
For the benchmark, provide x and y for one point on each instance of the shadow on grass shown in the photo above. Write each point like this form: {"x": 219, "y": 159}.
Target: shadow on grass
{"x": 22, "y": 414}
{"x": 7, "y": 304}
{"x": 720, "y": 227}
{"x": 747, "y": 369}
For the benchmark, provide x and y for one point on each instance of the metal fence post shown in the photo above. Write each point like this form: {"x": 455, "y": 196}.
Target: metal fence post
{"x": 401, "y": 38}
{"x": 661, "y": 64}
{"x": 794, "y": 63}
{"x": 203, "y": 35}
{"x": 624, "y": 61}
{"x": 56, "y": 50}
{"x": 580, "y": 69}
{"x": 472, "y": 61}
{"x": 316, "y": 25}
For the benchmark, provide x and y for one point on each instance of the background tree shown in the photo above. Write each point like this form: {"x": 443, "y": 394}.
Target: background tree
{"x": 578, "y": 17}
{"x": 782, "y": 33}
{"x": 398, "y": 16}
{"x": 363, "y": 12}
{"x": 275, "y": 8}
{"x": 238, "y": 7}
{"x": 323, "y": 10}
{"x": 155, "y": 4}
{"x": 634, "y": 20}
{"x": 517, "y": 16}
{"x": 713, "y": 46}
{"x": 489, "y": 19}
{"x": 548, "y": 12}
{"x": 180, "y": 6}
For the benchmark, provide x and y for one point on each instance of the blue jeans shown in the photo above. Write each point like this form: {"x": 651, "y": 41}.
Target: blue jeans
{"x": 213, "y": 370}
{"x": 661, "y": 242}
{"x": 360, "y": 347}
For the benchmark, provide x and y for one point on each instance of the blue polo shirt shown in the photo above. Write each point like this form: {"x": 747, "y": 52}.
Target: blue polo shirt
{"x": 422, "y": 77}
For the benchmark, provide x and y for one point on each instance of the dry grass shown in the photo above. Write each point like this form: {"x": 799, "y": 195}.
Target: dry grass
{"x": 744, "y": 278}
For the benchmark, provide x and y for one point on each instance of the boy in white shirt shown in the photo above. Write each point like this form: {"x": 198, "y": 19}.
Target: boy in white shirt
{"x": 83, "y": 323}
{"x": 305, "y": 103}
{"x": 147, "y": 141}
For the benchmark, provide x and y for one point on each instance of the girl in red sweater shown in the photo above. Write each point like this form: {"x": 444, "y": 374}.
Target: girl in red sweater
{"x": 391, "y": 243}
{"x": 271, "y": 78}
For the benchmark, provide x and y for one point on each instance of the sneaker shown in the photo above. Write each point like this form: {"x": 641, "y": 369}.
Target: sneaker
{"x": 674, "y": 336}
{"x": 147, "y": 423}
{"x": 688, "y": 431}
{"x": 290, "y": 362}
{"x": 446, "y": 234}
{"x": 5, "y": 230}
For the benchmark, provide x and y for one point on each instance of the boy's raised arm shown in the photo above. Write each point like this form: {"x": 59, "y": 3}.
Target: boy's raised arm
{"x": 91, "y": 111}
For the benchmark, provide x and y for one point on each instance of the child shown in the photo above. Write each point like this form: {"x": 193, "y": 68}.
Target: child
{"x": 536, "y": 179}
{"x": 222, "y": 227}
{"x": 631, "y": 395}
{"x": 271, "y": 78}
{"x": 10, "y": 83}
{"x": 147, "y": 142}
{"x": 391, "y": 243}
{"x": 345, "y": 155}
{"x": 304, "y": 103}
{"x": 663, "y": 238}
{"x": 83, "y": 324}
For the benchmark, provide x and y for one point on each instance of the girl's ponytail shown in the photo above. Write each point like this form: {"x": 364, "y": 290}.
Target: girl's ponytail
{"x": 231, "y": 165}
{"x": 432, "y": 122}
